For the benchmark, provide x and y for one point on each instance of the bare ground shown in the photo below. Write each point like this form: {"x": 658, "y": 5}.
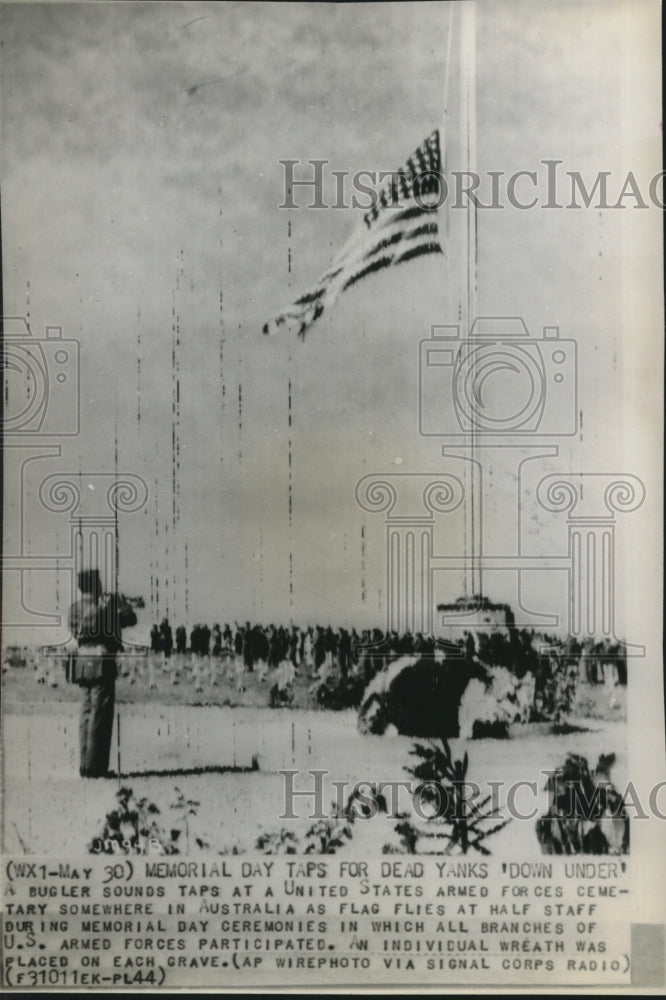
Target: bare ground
{"x": 209, "y": 752}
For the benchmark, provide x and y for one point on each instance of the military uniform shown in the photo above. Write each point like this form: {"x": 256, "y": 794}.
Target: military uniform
{"x": 96, "y": 621}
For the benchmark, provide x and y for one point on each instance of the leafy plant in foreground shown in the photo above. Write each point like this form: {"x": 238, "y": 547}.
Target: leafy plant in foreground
{"x": 458, "y": 823}
{"x": 133, "y": 827}
{"x": 185, "y": 809}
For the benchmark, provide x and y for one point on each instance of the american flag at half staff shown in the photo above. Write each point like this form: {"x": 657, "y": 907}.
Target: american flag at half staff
{"x": 401, "y": 225}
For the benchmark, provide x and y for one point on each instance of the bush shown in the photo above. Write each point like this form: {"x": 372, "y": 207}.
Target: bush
{"x": 133, "y": 827}
{"x": 586, "y": 813}
{"x": 457, "y": 826}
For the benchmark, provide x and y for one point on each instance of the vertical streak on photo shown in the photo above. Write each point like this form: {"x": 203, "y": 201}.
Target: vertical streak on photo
{"x": 363, "y": 590}
{"x": 290, "y": 498}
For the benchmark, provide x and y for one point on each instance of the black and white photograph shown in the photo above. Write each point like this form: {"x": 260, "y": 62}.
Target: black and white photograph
{"x": 332, "y": 421}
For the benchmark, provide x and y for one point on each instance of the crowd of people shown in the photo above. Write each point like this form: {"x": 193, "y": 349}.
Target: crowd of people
{"x": 271, "y": 643}
{"x": 352, "y": 657}
{"x": 273, "y": 652}
{"x": 343, "y": 661}
{"x": 520, "y": 649}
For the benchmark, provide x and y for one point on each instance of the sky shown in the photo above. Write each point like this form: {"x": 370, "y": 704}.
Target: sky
{"x": 141, "y": 179}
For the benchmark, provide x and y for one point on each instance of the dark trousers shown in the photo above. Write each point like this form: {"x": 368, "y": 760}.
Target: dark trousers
{"x": 95, "y": 727}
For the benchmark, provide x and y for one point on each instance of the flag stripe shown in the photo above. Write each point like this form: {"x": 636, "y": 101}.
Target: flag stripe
{"x": 428, "y": 245}
{"x": 417, "y": 251}
{"x": 310, "y": 296}
{"x": 375, "y": 265}
{"x": 397, "y": 234}
{"x": 400, "y": 234}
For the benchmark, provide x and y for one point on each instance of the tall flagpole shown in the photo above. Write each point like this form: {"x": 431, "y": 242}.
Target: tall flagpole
{"x": 468, "y": 74}
{"x": 462, "y": 239}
